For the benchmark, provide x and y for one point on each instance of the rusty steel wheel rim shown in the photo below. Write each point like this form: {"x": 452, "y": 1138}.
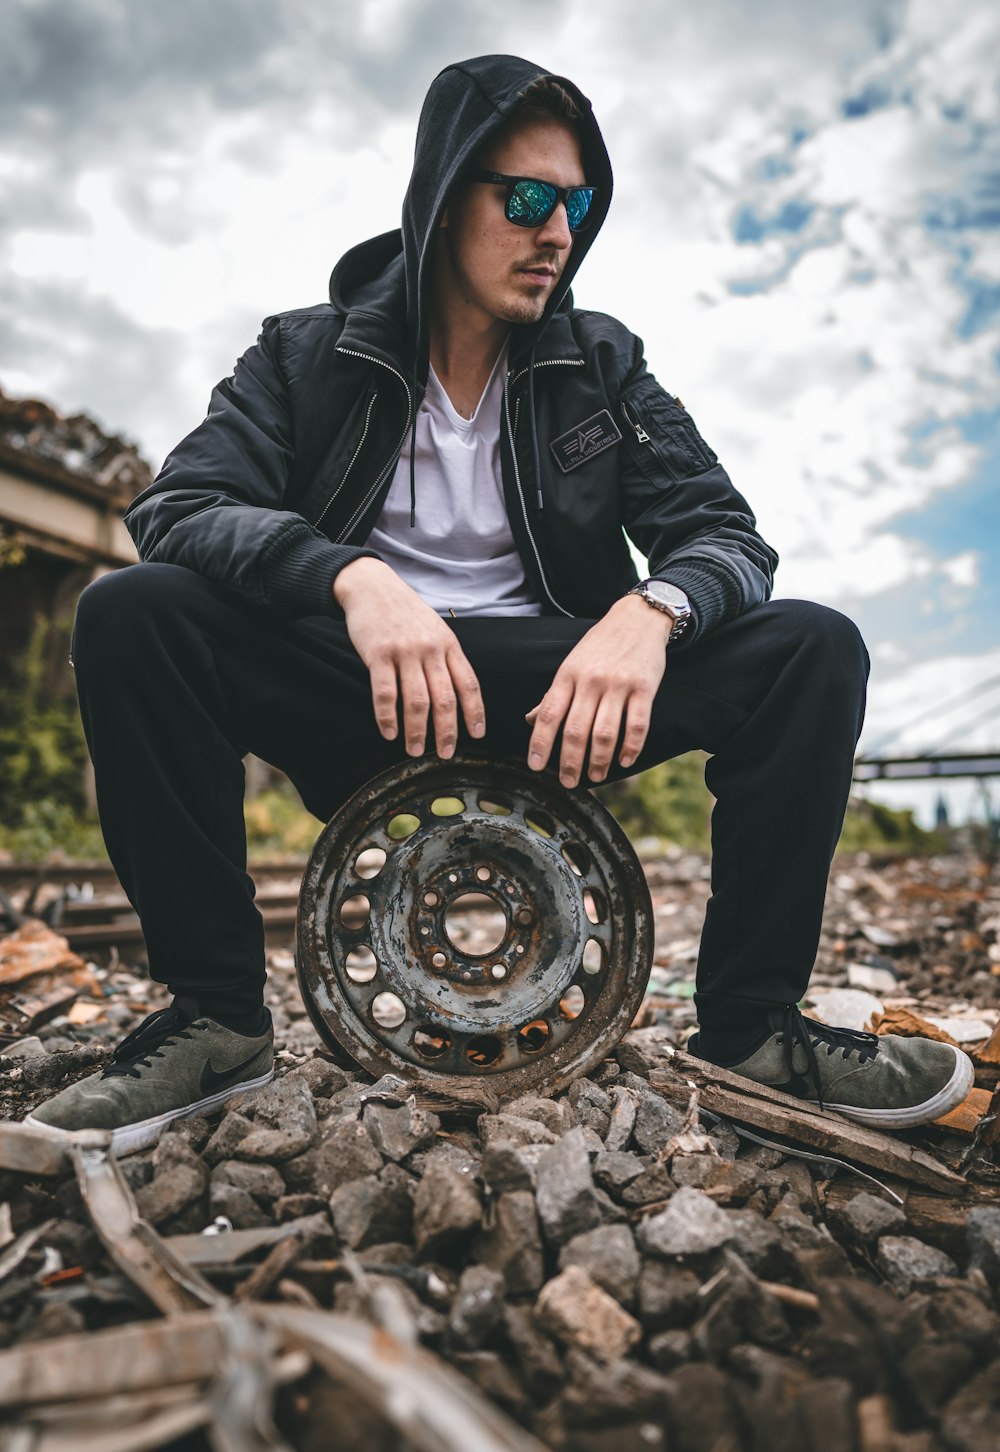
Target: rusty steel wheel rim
{"x": 387, "y": 979}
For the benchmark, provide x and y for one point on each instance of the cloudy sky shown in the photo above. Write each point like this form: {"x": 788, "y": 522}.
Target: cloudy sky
{"x": 806, "y": 233}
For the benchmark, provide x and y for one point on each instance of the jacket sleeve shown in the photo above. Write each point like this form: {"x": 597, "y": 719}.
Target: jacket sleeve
{"x": 216, "y": 505}
{"x": 681, "y": 510}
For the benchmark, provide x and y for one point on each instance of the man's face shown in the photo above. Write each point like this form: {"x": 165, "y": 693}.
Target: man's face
{"x": 499, "y": 270}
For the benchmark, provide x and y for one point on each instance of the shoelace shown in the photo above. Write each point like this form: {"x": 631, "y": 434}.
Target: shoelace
{"x": 147, "y": 1041}
{"x": 807, "y": 1032}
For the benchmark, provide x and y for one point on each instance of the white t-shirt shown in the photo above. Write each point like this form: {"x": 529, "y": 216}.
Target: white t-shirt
{"x": 460, "y": 556}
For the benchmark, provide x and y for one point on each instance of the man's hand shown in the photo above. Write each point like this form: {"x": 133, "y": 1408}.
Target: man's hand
{"x": 411, "y": 656}
{"x": 612, "y": 673}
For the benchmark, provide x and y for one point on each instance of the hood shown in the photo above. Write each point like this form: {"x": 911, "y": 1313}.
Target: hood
{"x": 465, "y": 104}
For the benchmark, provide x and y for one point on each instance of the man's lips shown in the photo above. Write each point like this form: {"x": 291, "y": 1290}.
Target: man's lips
{"x": 539, "y": 274}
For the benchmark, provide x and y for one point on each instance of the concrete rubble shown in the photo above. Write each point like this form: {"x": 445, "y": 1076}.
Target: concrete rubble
{"x": 650, "y": 1259}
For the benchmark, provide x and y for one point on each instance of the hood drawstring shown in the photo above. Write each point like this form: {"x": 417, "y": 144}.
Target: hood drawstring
{"x": 534, "y": 430}
{"x": 413, "y": 451}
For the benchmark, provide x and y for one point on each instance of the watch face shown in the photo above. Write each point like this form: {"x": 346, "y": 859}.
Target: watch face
{"x": 665, "y": 594}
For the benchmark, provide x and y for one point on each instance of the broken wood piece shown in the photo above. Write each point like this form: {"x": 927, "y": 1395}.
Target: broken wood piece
{"x": 965, "y": 1117}
{"x": 131, "y": 1242}
{"x": 909, "y": 1025}
{"x": 435, "y": 1408}
{"x": 34, "y": 948}
{"x": 748, "y": 1102}
{"x": 30, "y": 1151}
{"x": 26, "y": 1012}
{"x": 229, "y": 1246}
{"x": 15, "y": 1254}
{"x": 792, "y": 1296}
{"x": 271, "y": 1269}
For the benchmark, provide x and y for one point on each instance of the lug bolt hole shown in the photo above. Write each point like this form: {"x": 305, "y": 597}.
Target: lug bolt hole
{"x": 431, "y": 899}
{"x": 439, "y": 960}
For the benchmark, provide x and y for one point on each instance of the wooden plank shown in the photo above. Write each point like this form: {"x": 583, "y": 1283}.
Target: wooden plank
{"x": 743, "y": 1100}
{"x": 965, "y": 1118}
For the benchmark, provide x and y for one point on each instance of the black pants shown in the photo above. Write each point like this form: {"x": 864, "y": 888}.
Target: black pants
{"x": 178, "y": 679}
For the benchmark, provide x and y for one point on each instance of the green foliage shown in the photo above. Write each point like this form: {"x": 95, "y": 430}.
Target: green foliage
{"x": 873, "y": 827}
{"x": 42, "y": 747}
{"x": 49, "y": 828}
{"x": 669, "y": 801}
{"x": 278, "y": 824}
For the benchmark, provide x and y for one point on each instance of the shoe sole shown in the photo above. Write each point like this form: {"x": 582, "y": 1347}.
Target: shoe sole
{"x": 943, "y": 1102}
{"x": 130, "y": 1138}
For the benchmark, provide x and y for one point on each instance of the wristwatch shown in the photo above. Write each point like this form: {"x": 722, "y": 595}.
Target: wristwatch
{"x": 669, "y": 599}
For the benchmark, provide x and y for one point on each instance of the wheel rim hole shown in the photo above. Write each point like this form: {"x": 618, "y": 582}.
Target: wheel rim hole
{"x": 361, "y": 965}
{"x": 540, "y": 822}
{"x": 578, "y": 858}
{"x": 401, "y": 826}
{"x": 439, "y": 960}
{"x": 354, "y": 911}
{"x": 484, "y": 874}
{"x": 573, "y": 1002}
{"x": 473, "y": 929}
{"x": 595, "y": 905}
{"x": 495, "y": 807}
{"x": 447, "y": 806}
{"x": 593, "y": 956}
{"x": 430, "y": 1042}
{"x": 498, "y": 970}
{"x": 431, "y": 899}
{"x": 524, "y": 916}
{"x": 370, "y": 862}
{"x": 533, "y": 1037}
{"x": 483, "y": 1050}
{"x": 388, "y": 1010}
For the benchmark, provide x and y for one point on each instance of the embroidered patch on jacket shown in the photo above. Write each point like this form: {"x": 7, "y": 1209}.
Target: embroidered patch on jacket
{"x": 586, "y": 439}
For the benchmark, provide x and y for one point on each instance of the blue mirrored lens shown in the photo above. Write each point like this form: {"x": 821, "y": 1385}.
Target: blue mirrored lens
{"x": 531, "y": 202}
{"x": 577, "y": 206}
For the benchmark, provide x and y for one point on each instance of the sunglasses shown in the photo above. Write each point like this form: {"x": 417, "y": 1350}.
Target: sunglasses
{"x": 531, "y": 202}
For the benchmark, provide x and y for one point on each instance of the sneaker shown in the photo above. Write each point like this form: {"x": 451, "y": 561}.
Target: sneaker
{"x": 886, "y": 1082}
{"x": 176, "y": 1063}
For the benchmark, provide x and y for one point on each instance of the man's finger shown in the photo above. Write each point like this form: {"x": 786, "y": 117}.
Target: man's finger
{"x": 470, "y": 696}
{"x": 636, "y": 728}
{"x": 444, "y": 708}
{"x": 576, "y": 737}
{"x": 549, "y": 714}
{"x": 416, "y": 703}
{"x": 604, "y": 734}
{"x": 385, "y": 697}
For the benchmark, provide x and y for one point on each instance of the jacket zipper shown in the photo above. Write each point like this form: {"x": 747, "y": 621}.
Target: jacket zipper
{"x": 640, "y": 432}
{"x": 369, "y": 358}
{"x": 547, "y": 363}
{"x": 354, "y": 457}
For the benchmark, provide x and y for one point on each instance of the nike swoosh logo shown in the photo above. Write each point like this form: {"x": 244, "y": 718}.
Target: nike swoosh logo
{"x": 798, "y": 1085}
{"x": 212, "y": 1079}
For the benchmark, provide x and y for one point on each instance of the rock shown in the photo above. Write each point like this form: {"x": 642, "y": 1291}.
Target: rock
{"x": 609, "y": 1257}
{"x": 971, "y": 1421}
{"x": 261, "y": 1181}
{"x": 703, "y": 1415}
{"x": 610, "y": 1395}
{"x": 983, "y": 1235}
{"x": 494, "y": 1378}
{"x": 592, "y": 1105}
{"x": 614, "y": 1170}
{"x": 512, "y": 1244}
{"x": 865, "y": 1217}
{"x": 906, "y": 1262}
{"x": 579, "y": 1313}
{"x": 656, "y": 1121}
{"x": 668, "y": 1295}
{"x": 507, "y": 1166}
{"x": 292, "y": 1207}
{"x": 446, "y": 1207}
{"x": 284, "y": 1121}
{"x": 322, "y": 1076}
{"x": 692, "y": 1224}
{"x": 344, "y": 1152}
{"x": 668, "y": 1349}
{"x": 567, "y": 1204}
{"x": 171, "y": 1190}
{"x": 739, "y": 1309}
{"x": 537, "y": 1360}
{"x": 556, "y": 1114}
{"x": 649, "y": 1188}
{"x": 375, "y": 1208}
{"x": 49, "y": 1070}
{"x": 396, "y": 1133}
{"x": 237, "y": 1205}
{"x": 731, "y": 1182}
{"x": 477, "y": 1310}
{"x": 233, "y": 1129}
{"x": 511, "y": 1129}
{"x": 625, "y": 1107}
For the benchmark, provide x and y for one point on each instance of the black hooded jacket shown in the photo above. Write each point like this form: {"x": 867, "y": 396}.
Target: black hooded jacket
{"x": 278, "y": 489}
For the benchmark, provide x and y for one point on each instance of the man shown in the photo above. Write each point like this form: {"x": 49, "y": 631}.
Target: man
{"x": 406, "y": 512}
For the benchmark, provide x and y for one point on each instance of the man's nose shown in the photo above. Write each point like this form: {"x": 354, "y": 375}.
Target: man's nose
{"x": 555, "y": 231}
